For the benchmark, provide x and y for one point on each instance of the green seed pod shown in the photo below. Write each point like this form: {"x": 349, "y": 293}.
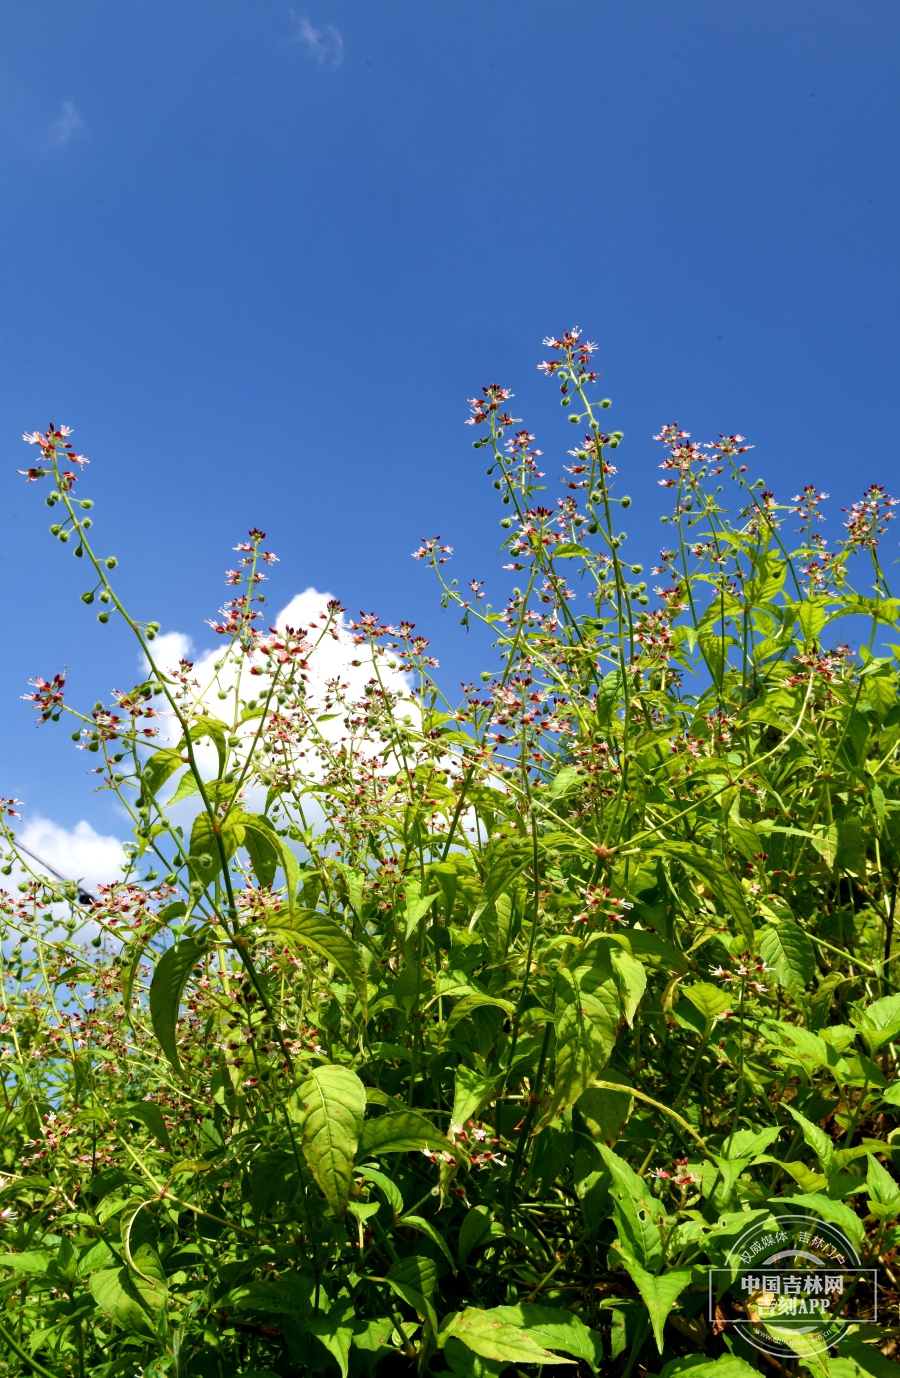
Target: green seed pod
{"x": 86, "y": 503}
{"x": 76, "y": 736}
{"x": 485, "y": 676}
{"x": 566, "y": 401}
{"x": 607, "y": 402}
{"x": 87, "y": 524}
{"x": 102, "y": 616}
{"x": 643, "y": 600}
{"x": 54, "y": 530}
{"x": 96, "y": 942}
{"x": 78, "y": 551}
{"x": 637, "y": 569}
{"x": 626, "y": 501}
{"x": 111, "y": 562}
{"x": 497, "y": 484}
{"x": 64, "y": 536}
{"x": 506, "y": 522}
{"x": 574, "y": 418}
{"x": 87, "y": 597}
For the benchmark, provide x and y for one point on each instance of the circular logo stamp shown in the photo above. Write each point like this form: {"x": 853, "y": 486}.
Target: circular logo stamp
{"x": 792, "y": 1285}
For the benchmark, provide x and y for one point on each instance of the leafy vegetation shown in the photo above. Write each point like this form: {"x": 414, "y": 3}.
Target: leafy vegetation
{"x": 461, "y": 1036}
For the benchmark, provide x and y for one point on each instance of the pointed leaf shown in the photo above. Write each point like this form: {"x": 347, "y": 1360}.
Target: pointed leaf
{"x": 659, "y": 1293}
{"x": 312, "y": 929}
{"x": 405, "y": 1131}
{"x": 493, "y": 1338}
{"x": 587, "y": 1015}
{"x": 636, "y": 1212}
{"x": 148, "y": 1113}
{"x": 711, "y": 869}
{"x": 166, "y": 989}
{"x": 335, "y": 1330}
{"x": 788, "y": 951}
{"x": 332, "y": 1105}
{"x": 555, "y": 1328}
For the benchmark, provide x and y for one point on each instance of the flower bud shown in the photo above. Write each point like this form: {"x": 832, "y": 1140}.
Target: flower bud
{"x": 87, "y": 597}
{"x": 64, "y": 536}
{"x": 78, "y": 551}
{"x": 574, "y": 418}
{"x": 111, "y": 562}
{"x": 54, "y": 530}
{"x": 102, "y": 616}
{"x": 76, "y": 736}
{"x": 607, "y": 402}
{"x": 626, "y": 501}
{"x": 86, "y": 503}
{"x": 506, "y": 522}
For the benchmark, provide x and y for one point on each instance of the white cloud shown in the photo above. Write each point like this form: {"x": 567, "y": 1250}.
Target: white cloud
{"x": 67, "y": 126}
{"x": 171, "y": 647}
{"x": 326, "y": 45}
{"x": 79, "y": 853}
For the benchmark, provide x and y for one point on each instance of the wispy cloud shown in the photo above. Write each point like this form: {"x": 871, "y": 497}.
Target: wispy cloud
{"x": 326, "y": 45}
{"x": 67, "y": 127}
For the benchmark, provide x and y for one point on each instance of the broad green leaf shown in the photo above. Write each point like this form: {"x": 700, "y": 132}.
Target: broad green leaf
{"x": 217, "y": 731}
{"x": 30, "y": 1261}
{"x": 166, "y": 989}
{"x": 817, "y": 1139}
{"x": 331, "y": 1107}
{"x": 636, "y": 1212}
{"x": 605, "y": 1112}
{"x": 386, "y": 1185}
{"x": 472, "y": 1093}
{"x": 416, "y": 1222}
{"x": 659, "y": 1293}
{"x": 477, "y": 1001}
{"x": 555, "y": 1328}
{"x": 788, "y": 951}
{"x": 405, "y": 1131}
{"x": 811, "y": 616}
{"x": 726, "y": 1366}
{"x": 114, "y": 1292}
{"x": 492, "y": 1338}
{"x": 187, "y": 786}
{"x": 148, "y": 1113}
{"x": 312, "y": 929}
{"x": 879, "y": 1023}
{"x": 884, "y": 1192}
{"x": 205, "y": 856}
{"x": 587, "y": 1016}
{"x": 711, "y": 869}
{"x": 631, "y": 979}
{"x": 834, "y": 1211}
{"x": 475, "y": 1226}
{"x": 263, "y": 846}
{"x": 268, "y": 1178}
{"x": 416, "y": 1271}
{"x": 710, "y": 1000}
{"x": 335, "y": 1330}
{"x": 569, "y": 779}
{"x": 157, "y": 768}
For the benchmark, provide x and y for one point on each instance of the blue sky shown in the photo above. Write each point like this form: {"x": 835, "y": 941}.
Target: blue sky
{"x": 259, "y": 256}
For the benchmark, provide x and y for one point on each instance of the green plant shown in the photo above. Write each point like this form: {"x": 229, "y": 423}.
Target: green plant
{"x": 461, "y": 1036}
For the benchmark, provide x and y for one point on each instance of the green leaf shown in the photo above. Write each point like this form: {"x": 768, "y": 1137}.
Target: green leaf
{"x": 471, "y": 1094}
{"x": 475, "y": 1226}
{"x": 631, "y": 979}
{"x": 726, "y": 1366}
{"x": 187, "y": 786}
{"x": 710, "y": 1000}
{"x": 636, "y": 1212}
{"x": 262, "y": 844}
{"x": 114, "y": 1292}
{"x": 148, "y": 1113}
{"x": 332, "y": 1105}
{"x": 385, "y": 1184}
{"x": 499, "y": 877}
{"x": 884, "y": 1192}
{"x": 30, "y": 1261}
{"x": 218, "y": 731}
{"x": 711, "y": 869}
{"x": 816, "y": 1138}
{"x": 166, "y": 989}
{"x": 405, "y": 1131}
{"x": 834, "y": 1211}
{"x": 335, "y": 1330}
{"x": 416, "y": 1271}
{"x": 205, "y": 857}
{"x": 586, "y": 1018}
{"x": 416, "y": 1222}
{"x": 811, "y": 616}
{"x": 555, "y": 1328}
{"x": 492, "y": 1338}
{"x": 788, "y": 951}
{"x": 312, "y": 929}
{"x": 880, "y": 1022}
{"x": 468, "y": 1003}
{"x": 566, "y": 549}
{"x": 605, "y": 1112}
{"x": 659, "y": 1293}
{"x": 157, "y": 768}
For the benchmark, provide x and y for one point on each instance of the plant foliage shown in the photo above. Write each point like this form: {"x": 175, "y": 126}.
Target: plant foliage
{"x": 461, "y": 1036}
